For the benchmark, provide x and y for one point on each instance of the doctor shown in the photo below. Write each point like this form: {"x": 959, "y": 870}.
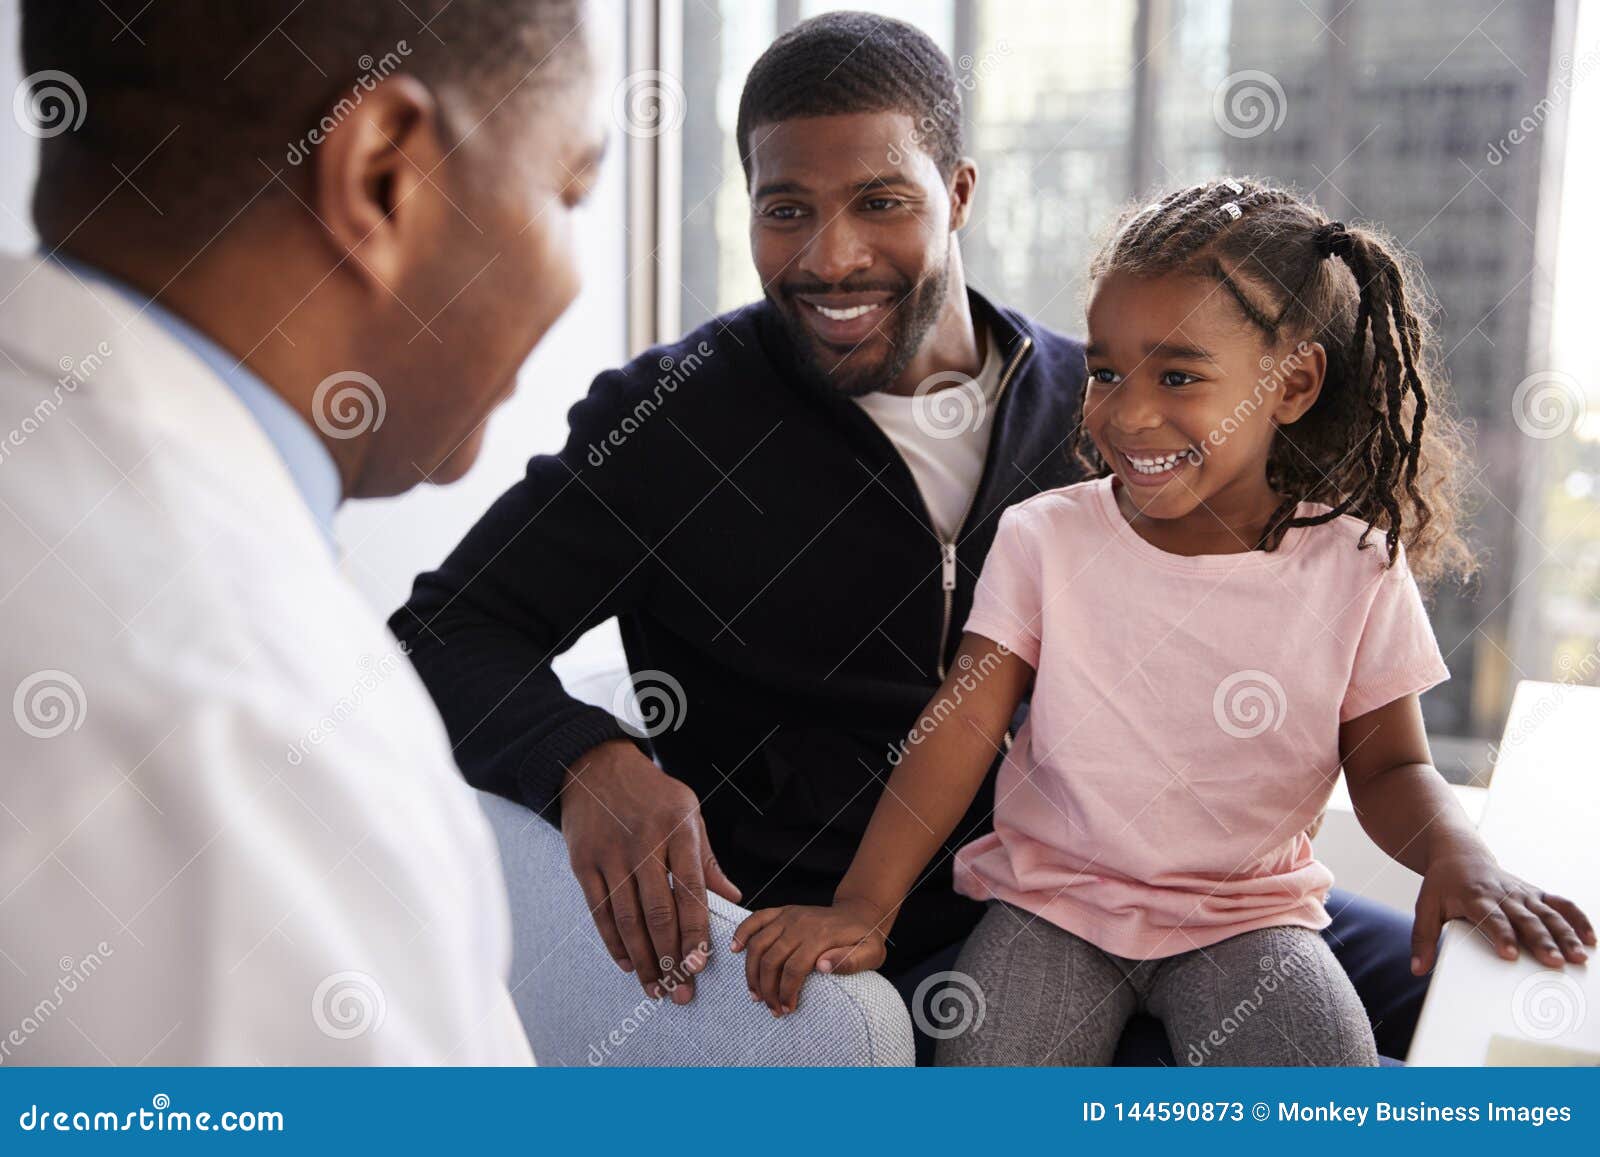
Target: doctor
{"x": 292, "y": 253}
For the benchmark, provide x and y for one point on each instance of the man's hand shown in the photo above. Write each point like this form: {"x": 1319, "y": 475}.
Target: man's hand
{"x": 1469, "y": 885}
{"x": 627, "y": 825}
{"x": 785, "y": 944}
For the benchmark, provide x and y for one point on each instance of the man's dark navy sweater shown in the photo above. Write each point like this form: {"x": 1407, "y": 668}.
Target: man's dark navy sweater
{"x": 763, "y": 544}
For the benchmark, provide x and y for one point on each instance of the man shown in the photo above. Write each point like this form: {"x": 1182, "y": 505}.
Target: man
{"x": 787, "y": 512}
{"x": 292, "y": 253}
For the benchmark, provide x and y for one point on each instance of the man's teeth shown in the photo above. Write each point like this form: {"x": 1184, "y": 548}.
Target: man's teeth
{"x": 844, "y": 314}
{"x": 1145, "y": 464}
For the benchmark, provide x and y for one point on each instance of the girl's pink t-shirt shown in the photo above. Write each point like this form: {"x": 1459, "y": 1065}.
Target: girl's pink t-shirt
{"x": 1184, "y": 728}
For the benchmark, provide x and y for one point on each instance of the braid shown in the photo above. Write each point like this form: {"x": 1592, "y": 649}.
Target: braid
{"x": 1394, "y": 453}
{"x": 1190, "y": 222}
{"x": 1138, "y": 226}
{"x": 1183, "y": 223}
{"x": 1361, "y": 447}
{"x": 1267, "y": 325}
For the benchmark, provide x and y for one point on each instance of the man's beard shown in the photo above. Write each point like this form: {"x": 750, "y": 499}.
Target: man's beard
{"x": 912, "y": 314}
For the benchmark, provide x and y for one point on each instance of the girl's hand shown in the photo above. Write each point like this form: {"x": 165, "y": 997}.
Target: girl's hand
{"x": 787, "y": 943}
{"x": 1470, "y": 886}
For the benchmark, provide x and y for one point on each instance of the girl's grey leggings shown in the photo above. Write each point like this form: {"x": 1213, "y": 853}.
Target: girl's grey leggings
{"x": 1030, "y": 993}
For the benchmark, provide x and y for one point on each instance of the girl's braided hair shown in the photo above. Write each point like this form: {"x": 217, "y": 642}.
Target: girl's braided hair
{"x": 1379, "y": 443}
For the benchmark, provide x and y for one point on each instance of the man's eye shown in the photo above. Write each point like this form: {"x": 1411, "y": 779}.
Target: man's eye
{"x": 878, "y": 204}
{"x": 1177, "y": 379}
{"x": 782, "y": 212}
{"x": 1104, "y": 377}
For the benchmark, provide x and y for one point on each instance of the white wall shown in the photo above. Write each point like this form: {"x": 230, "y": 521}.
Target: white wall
{"x": 387, "y": 542}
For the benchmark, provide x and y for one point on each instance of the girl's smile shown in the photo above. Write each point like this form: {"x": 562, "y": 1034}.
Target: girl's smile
{"x": 1154, "y": 467}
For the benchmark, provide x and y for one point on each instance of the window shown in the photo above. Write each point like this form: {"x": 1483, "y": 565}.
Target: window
{"x": 1399, "y": 112}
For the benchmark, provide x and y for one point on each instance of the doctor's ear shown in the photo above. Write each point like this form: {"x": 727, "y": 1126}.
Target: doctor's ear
{"x": 371, "y": 175}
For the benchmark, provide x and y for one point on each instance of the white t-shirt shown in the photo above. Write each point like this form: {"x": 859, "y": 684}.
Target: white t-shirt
{"x": 942, "y": 432}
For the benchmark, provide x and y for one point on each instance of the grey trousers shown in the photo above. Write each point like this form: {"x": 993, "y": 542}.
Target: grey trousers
{"x": 1031, "y": 993}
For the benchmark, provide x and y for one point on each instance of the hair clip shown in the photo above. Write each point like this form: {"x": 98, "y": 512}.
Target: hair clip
{"x": 1234, "y": 186}
{"x": 1231, "y": 209}
{"x": 1333, "y": 239}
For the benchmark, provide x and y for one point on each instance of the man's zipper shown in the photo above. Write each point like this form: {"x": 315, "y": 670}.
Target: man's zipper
{"x": 947, "y": 555}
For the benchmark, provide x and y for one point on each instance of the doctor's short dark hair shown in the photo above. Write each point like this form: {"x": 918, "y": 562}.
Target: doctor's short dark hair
{"x": 194, "y": 104}
{"x": 856, "y": 62}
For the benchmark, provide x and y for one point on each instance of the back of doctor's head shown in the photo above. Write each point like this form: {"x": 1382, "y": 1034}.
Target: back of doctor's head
{"x": 328, "y": 184}
{"x": 189, "y": 108}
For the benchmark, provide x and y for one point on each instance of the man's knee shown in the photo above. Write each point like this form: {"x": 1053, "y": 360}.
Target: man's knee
{"x": 1372, "y": 943}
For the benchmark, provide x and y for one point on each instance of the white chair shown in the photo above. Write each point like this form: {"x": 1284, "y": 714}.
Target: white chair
{"x": 580, "y": 1009}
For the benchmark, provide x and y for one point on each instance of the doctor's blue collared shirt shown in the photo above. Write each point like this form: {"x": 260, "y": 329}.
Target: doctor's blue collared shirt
{"x": 310, "y": 465}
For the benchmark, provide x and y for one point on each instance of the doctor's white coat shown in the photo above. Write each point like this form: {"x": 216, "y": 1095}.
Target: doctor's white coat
{"x": 231, "y": 830}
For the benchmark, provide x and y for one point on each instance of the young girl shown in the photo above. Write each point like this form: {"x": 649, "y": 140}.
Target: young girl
{"x": 1213, "y": 626}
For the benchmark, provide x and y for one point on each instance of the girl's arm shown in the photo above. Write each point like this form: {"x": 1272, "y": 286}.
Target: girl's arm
{"x": 1409, "y": 811}
{"x": 950, "y": 750}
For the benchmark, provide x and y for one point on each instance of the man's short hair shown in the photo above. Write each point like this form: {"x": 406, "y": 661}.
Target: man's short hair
{"x": 197, "y": 102}
{"x": 854, "y": 62}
